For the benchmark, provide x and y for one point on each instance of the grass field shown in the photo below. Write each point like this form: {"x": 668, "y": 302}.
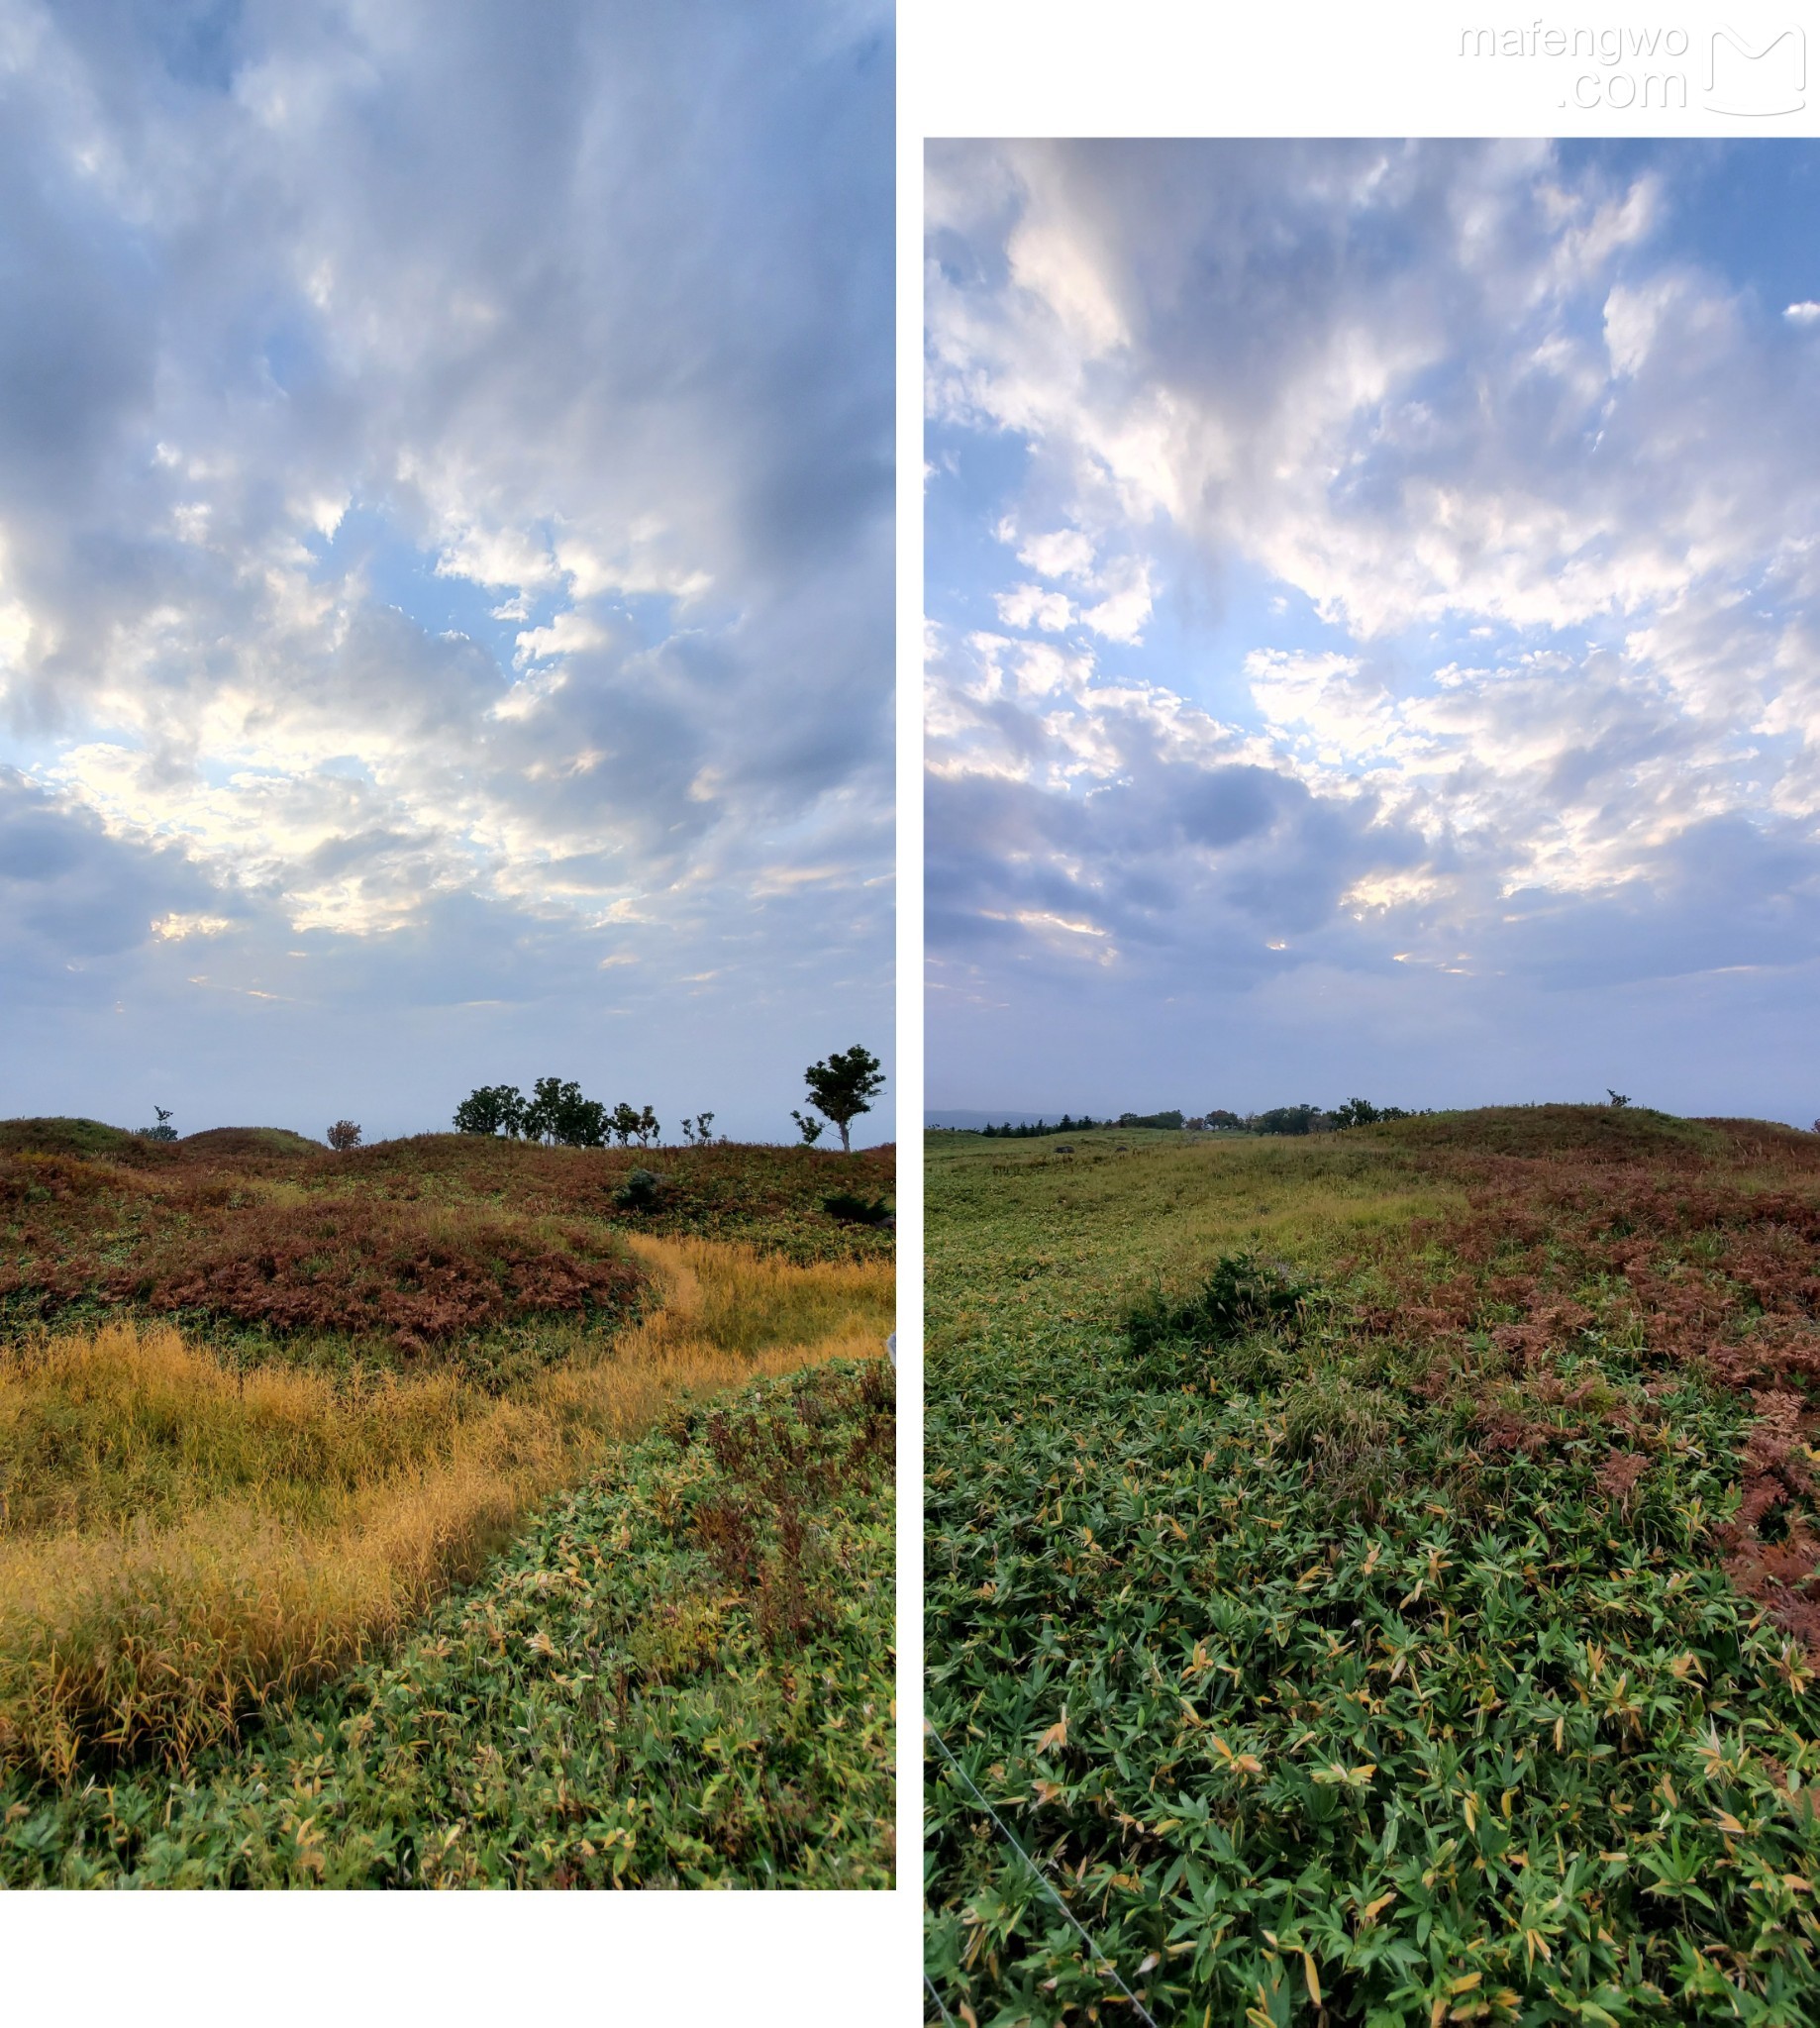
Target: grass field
{"x": 262, "y": 1407}
{"x": 1372, "y": 1575}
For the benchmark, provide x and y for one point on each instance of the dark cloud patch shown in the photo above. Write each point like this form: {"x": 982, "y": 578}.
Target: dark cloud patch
{"x": 71, "y": 896}
{"x": 1162, "y": 868}
{"x": 1225, "y": 804}
{"x": 77, "y": 300}
{"x": 1729, "y": 893}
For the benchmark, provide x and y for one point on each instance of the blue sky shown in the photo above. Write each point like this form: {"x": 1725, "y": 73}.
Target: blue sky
{"x": 1373, "y": 645}
{"x": 446, "y": 555}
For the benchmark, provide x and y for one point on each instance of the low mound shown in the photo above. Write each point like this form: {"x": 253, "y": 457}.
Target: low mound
{"x": 774, "y": 1195}
{"x": 1767, "y": 1138}
{"x": 1613, "y": 1132}
{"x": 85, "y": 1138}
{"x": 231, "y": 1141}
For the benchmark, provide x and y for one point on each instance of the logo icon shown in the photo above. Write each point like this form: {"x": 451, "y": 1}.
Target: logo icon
{"x": 1756, "y": 83}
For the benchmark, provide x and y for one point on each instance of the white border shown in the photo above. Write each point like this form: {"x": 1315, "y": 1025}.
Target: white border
{"x": 1017, "y": 69}
{"x": 287, "y": 1960}
{"x": 894, "y": 2003}
{"x": 992, "y": 68}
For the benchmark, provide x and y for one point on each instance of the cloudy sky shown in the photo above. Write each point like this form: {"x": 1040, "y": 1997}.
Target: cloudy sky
{"x": 1374, "y": 624}
{"x": 445, "y": 555}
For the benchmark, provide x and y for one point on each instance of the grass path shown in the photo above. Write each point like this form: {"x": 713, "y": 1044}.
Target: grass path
{"x": 186, "y": 1544}
{"x": 679, "y": 1676}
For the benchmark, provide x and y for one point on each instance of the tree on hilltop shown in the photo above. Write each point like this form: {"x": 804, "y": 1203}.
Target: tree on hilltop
{"x": 843, "y": 1088}
{"x": 559, "y": 1113}
{"x": 1360, "y": 1112}
{"x": 1287, "y": 1119}
{"x": 492, "y": 1109}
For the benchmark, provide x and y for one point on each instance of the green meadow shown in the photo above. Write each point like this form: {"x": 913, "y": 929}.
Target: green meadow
{"x": 1371, "y": 1575}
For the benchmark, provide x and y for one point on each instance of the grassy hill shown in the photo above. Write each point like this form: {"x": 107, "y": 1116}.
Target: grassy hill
{"x": 265, "y": 1411}
{"x": 1374, "y": 1574}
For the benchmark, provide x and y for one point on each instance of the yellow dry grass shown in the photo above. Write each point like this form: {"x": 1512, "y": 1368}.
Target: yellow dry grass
{"x": 181, "y": 1543}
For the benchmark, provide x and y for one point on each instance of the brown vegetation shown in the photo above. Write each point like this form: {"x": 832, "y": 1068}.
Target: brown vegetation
{"x": 1692, "y": 1245}
{"x": 407, "y": 1246}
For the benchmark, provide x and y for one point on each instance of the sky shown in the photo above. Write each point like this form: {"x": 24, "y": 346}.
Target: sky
{"x": 446, "y": 555}
{"x": 1373, "y": 624}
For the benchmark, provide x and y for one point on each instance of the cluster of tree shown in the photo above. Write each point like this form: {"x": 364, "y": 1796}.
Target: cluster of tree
{"x": 1310, "y": 1119}
{"x": 557, "y": 1113}
{"x": 1360, "y": 1112}
{"x": 840, "y": 1089}
{"x": 343, "y": 1136}
{"x": 1290, "y": 1119}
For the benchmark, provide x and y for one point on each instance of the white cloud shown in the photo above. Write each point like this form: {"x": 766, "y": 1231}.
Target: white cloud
{"x": 567, "y": 633}
{"x": 1541, "y": 476}
{"x": 1067, "y": 552}
{"x": 1633, "y": 317}
{"x": 1121, "y": 615}
{"x": 1277, "y": 368}
{"x": 1029, "y": 605}
{"x": 173, "y": 928}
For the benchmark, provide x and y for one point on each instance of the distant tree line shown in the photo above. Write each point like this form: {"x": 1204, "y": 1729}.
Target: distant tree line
{"x": 1276, "y": 1119}
{"x": 1301, "y": 1119}
{"x": 1298, "y": 1119}
{"x": 1067, "y": 1124}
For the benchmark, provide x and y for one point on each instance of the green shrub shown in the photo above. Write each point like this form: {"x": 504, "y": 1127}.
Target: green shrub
{"x": 852, "y": 1210}
{"x": 1242, "y": 1298}
{"x": 642, "y": 1190}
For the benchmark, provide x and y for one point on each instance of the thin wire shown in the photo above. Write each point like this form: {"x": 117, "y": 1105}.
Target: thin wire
{"x": 937, "y": 1998}
{"x": 1042, "y": 1880}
